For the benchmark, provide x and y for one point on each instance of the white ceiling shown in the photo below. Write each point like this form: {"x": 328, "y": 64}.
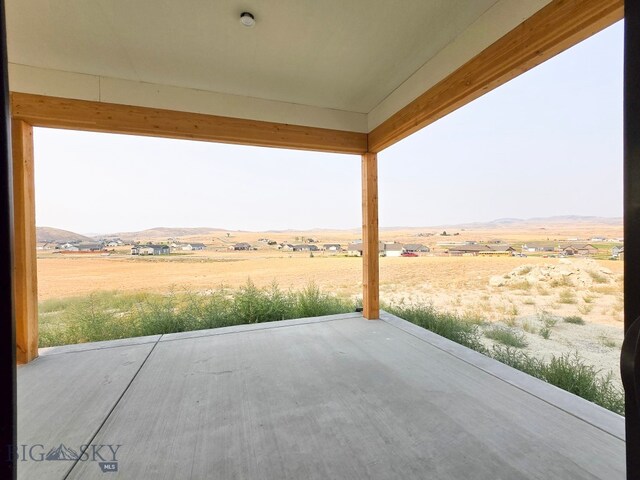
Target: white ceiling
{"x": 344, "y": 55}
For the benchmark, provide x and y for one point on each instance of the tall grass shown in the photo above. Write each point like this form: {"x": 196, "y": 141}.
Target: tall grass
{"x": 114, "y": 315}
{"x": 568, "y": 372}
{"x": 448, "y": 325}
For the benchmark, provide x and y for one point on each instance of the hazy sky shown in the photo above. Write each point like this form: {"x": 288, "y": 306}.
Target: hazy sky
{"x": 547, "y": 143}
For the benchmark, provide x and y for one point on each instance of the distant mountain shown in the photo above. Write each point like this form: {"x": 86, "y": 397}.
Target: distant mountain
{"x": 556, "y": 220}
{"x": 57, "y": 235}
{"x": 167, "y": 232}
{"x": 49, "y": 234}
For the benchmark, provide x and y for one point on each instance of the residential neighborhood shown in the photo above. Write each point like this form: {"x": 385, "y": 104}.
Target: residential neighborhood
{"x": 416, "y": 244}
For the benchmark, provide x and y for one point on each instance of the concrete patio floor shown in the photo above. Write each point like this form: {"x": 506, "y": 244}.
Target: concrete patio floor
{"x": 329, "y": 397}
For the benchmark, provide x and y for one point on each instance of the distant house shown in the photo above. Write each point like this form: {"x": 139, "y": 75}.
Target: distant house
{"x": 242, "y": 246}
{"x": 193, "y": 246}
{"x": 580, "y": 249}
{"x": 538, "y": 247}
{"x": 467, "y": 250}
{"x": 498, "y": 250}
{"x": 305, "y": 248}
{"x": 332, "y": 247}
{"x": 355, "y": 249}
{"x": 416, "y": 248}
{"x": 617, "y": 251}
{"x": 89, "y": 247}
{"x": 393, "y": 249}
{"x": 286, "y": 247}
{"x": 150, "y": 249}
{"x": 598, "y": 238}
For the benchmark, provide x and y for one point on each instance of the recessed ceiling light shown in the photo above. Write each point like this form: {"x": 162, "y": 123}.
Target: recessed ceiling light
{"x": 247, "y": 19}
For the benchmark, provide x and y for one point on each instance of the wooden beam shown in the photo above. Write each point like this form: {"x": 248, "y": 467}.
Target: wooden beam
{"x": 555, "y": 28}
{"x": 25, "y": 284}
{"x": 43, "y": 111}
{"x": 370, "y": 242}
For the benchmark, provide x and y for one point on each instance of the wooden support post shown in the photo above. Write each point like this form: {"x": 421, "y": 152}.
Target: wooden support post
{"x": 25, "y": 284}
{"x": 370, "y": 242}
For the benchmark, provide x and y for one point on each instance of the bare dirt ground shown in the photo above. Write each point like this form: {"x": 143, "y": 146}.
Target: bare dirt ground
{"x": 519, "y": 293}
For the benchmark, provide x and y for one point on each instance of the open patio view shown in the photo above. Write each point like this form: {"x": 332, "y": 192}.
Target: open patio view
{"x": 353, "y": 395}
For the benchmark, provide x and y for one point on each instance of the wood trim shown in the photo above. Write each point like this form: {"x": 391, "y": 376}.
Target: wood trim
{"x": 555, "y": 28}
{"x": 44, "y": 111}
{"x": 370, "y": 242}
{"x": 25, "y": 273}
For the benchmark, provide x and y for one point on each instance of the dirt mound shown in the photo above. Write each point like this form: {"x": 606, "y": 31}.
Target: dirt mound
{"x": 579, "y": 273}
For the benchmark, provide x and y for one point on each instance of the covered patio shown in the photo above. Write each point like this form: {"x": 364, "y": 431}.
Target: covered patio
{"x": 325, "y": 397}
{"x": 329, "y": 397}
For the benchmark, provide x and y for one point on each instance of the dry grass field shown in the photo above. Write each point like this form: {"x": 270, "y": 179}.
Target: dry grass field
{"x": 528, "y": 294}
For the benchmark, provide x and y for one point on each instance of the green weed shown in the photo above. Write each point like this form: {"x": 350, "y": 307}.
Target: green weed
{"x": 574, "y": 319}
{"x": 506, "y": 337}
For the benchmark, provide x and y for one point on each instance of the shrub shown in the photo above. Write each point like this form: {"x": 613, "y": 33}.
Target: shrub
{"x": 585, "y": 309}
{"x": 545, "y": 332}
{"x": 311, "y": 302}
{"x": 517, "y": 359}
{"x": 567, "y": 296}
{"x": 506, "y": 337}
{"x": 522, "y": 285}
{"x": 525, "y": 269}
{"x": 607, "y": 342}
{"x": 569, "y": 373}
{"x": 561, "y": 281}
{"x": 574, "y": 319}
{"x": 597, "y": 277}
{"x": 448, "y": 325}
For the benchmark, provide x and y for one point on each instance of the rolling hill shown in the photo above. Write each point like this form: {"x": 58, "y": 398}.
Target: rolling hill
{"x": 50, "y": 234}
{"x": 166, "y": 232}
